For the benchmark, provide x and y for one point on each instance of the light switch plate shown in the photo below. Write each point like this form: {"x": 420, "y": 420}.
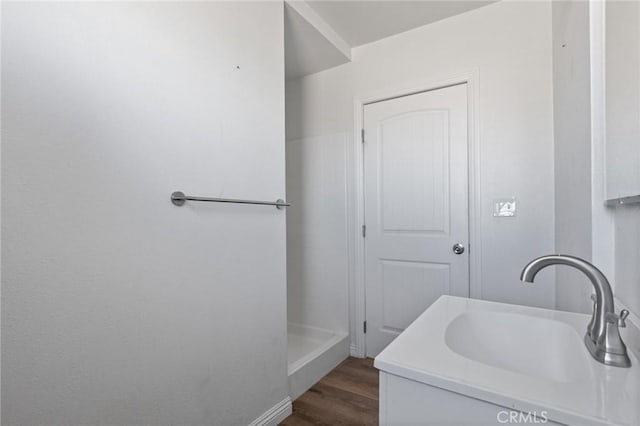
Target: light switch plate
{"x": 504, "y": 207}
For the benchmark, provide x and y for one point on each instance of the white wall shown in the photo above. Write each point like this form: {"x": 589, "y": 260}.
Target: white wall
{"x": 584, "y": 226}
{"x": 572, "y": 150}
{"x": 117, "y": 307}
{"x": 317, "y": 234}
{"x": 509, "y": 43}
{"x": 318, "y": 186}
{"x": 627, "y": 253}
{"x": 622, "y": 97}
{"x": 622, "y": 151}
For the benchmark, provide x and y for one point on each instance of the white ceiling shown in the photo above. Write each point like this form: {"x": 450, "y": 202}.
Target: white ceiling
{"x": 361, "y": 22}
{"x": 310, "y": 47}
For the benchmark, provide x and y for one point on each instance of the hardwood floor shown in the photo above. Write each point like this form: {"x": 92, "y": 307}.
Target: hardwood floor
{"x": 348, "y": 395}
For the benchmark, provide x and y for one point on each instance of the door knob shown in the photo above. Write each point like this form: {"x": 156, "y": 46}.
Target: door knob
{"x": 458, "y": 248}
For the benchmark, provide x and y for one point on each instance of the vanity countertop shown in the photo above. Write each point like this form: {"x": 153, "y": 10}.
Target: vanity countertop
{"x": 522, "y": 358}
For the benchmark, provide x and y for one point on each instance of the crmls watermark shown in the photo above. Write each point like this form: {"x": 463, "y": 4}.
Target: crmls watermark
{"x": 515, "y": 417}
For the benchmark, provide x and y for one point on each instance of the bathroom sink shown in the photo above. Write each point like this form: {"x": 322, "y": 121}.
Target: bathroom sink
{"x": 537, "y": 347}
{"x": 523, "y": 358}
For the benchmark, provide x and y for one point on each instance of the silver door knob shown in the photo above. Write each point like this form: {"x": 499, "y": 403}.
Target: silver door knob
{"x": 458, "y": 248}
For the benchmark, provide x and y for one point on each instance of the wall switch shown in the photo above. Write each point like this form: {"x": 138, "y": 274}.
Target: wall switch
{"x": 504, "y": 207}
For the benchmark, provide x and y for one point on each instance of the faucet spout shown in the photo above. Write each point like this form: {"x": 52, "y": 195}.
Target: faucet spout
{"x": 602, "y": 337}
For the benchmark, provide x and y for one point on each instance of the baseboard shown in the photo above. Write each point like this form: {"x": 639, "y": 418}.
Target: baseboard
{"x": 275, "y": 414}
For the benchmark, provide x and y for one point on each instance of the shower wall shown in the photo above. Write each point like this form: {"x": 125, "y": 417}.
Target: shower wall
{"x": 317, "y": 243}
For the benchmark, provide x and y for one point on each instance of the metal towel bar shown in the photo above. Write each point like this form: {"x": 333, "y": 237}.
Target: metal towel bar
{"x": 178, "y": 198}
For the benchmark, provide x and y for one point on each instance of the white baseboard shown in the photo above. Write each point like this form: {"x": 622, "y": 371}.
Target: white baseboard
{"x": 275, "y": 414}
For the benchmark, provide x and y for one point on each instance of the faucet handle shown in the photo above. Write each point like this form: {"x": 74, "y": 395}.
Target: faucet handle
{"x": 623, "y": 316}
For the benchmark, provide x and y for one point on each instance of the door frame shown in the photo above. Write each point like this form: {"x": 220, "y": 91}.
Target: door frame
{"x": 357, "y": 305}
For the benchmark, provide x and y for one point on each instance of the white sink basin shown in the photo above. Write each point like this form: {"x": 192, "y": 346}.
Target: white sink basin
{"x": 523, "y": 358}
{"x": 515, "y": 342}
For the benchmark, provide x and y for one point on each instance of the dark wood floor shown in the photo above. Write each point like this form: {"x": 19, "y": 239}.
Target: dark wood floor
{"x": 348, "y": 395}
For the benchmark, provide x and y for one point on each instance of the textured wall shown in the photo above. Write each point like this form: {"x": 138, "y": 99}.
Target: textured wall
{"x": 117, "y": 307}
{"x": 572, "y": 149}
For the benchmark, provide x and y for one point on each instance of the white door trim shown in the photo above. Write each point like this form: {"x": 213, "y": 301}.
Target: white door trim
{"x": 357, "y": 257}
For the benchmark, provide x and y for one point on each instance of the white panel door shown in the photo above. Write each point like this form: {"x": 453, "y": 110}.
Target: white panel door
{"x": 416, "y": 208}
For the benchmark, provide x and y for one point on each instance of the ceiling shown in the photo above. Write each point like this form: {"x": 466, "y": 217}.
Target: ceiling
{"x": 361, "y": 22}
{"x": 309, "y": 49}
{"x": 319, "y": 34}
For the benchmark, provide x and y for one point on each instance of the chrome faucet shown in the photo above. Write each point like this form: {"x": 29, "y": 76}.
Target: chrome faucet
{"x": 603, "y": 338}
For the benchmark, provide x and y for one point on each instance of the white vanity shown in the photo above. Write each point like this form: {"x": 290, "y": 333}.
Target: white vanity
{"x": 472, "y": 362}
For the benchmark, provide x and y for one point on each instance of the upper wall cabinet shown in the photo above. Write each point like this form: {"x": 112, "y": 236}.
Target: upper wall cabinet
{"x": 622, "y": 70}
